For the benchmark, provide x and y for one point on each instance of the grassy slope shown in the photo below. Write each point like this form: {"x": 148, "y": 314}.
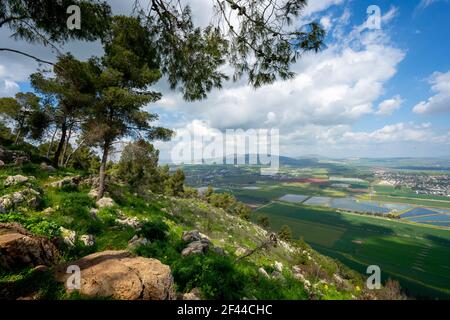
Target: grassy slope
{"x": 418, "y": 256}
{"x": 218, "y": 277}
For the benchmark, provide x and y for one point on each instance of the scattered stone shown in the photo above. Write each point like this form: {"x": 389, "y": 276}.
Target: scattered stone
{"x": 196, "y": 247}
{"x": 69, "y": 236}
{"x": 66, "y": 182}
{"x": 2, "y": 164}
{"x": 120, "y": 275}
{"x": 48, "y": 211}
{"x": 19, "y": 248}
{"x": 193, "y": 235}
{"x": 194, "y": 294}
{"x": 263, "y": 272}
{"x": 28, "y": 196}
{"x": 15, "y": 180}
{"x": 130, "y": 222}
{"x": 338, "y": 279}
{"x": 137, "y": 241}
{"x": 93, "y": 193}
{"x": 47, "y": 167}
{"x": 278, "y": 266}
{"x": 88, "y": 240}
{"x": 105, "y": 202}
{"x": 240, "y": 251}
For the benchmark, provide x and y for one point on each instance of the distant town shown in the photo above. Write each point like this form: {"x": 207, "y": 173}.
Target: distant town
{"x": 425, "y": 184}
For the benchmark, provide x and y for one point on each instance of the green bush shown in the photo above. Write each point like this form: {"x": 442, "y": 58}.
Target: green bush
{"x": 154, "y": 230}
{"x": 214, "y": 275}
{"x": 34, "y": 224}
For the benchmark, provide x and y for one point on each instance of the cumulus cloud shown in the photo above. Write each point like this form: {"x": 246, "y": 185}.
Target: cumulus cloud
{"x": 336, "y": 86}
{"x": 389, "y": 106}
{"x": 330, "y": 140}
{"x": 440, "y": 101}
{"x": 8, "y": 88}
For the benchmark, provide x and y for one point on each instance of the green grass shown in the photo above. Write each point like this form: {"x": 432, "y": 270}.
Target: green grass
{"x": 415, "y": 255}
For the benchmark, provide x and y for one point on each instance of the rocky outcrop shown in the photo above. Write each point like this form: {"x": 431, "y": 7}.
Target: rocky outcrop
{"x": 137, "y": 241}
{"x": 29, "y": 197}
{"x": 15, "y": 180}
{"x": 120, "y": 275}
{"x": 193, "y": 235}
{"x": 66, "y": 182}
{"x": 196, "y": 247}
{"x": 19, "y": 248}
{"x": 198, "y": 243}
{"x": 13, "y": 156}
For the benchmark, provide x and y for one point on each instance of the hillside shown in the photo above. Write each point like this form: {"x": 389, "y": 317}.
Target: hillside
{"x": 211, "y": 253}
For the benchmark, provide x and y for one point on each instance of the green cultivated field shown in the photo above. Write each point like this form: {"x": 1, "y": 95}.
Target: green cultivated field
{"x": 417, "y": 256}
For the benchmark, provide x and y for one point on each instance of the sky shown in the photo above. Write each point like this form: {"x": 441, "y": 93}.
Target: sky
{"x": 370, "y": 93}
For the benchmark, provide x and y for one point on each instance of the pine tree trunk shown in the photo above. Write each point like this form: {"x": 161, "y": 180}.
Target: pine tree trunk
{"x": 62, "y": 140}
{"x": 19, "y": 132}
{"x": 73, "y": 152}
{"x": 51, "y": 143}
{"x": 102, "y": 178}
{"x": 63, "y": 155}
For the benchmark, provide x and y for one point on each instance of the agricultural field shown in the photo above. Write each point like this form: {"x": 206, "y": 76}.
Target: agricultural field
{"x": 415, "y": 255}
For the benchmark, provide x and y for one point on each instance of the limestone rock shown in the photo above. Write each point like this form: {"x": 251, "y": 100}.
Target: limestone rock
{"x": 120, "y": 275}
{"x": 263, "y": 272}
{"x": 193, "y": 235}
{"x": 105, "y": 202}
{"x": 137, "y": 241}
{"x": 240, "y": 251}
{"x": 129, "y": 222}
{"x": 28, "y": 197}
{"x": 93, "y": 193}
{"x": 19, "y": 248}
{"x": 15, "y": 180}
{"x": 194, "y": 294}
{"x": 196, "y": 247}
{"x": 88, "y": 240}
{"x": 69, "y": 236}
{"x": 278, "y": 266}
{"x": 47, "y": 167}
{"x": 68, "y": 181}
{"x": 48, "y": 211}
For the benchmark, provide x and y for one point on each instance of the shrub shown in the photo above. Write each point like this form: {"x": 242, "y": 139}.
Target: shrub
{"x": 154, "y": 230}
{"x": 37, "y": 225}
{"x": 285, "y": 233}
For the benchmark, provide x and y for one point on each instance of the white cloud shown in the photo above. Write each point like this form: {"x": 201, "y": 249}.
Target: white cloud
{"x": 440, "y": 101}
{"x": 389, "y": 106}
{"x": 320, "y": 5}
{"x": 336, "y": 86}
{"x": 8, "y": 88}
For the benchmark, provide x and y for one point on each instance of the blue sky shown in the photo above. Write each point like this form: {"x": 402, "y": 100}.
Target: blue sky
{"x": 371, "y": 93}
